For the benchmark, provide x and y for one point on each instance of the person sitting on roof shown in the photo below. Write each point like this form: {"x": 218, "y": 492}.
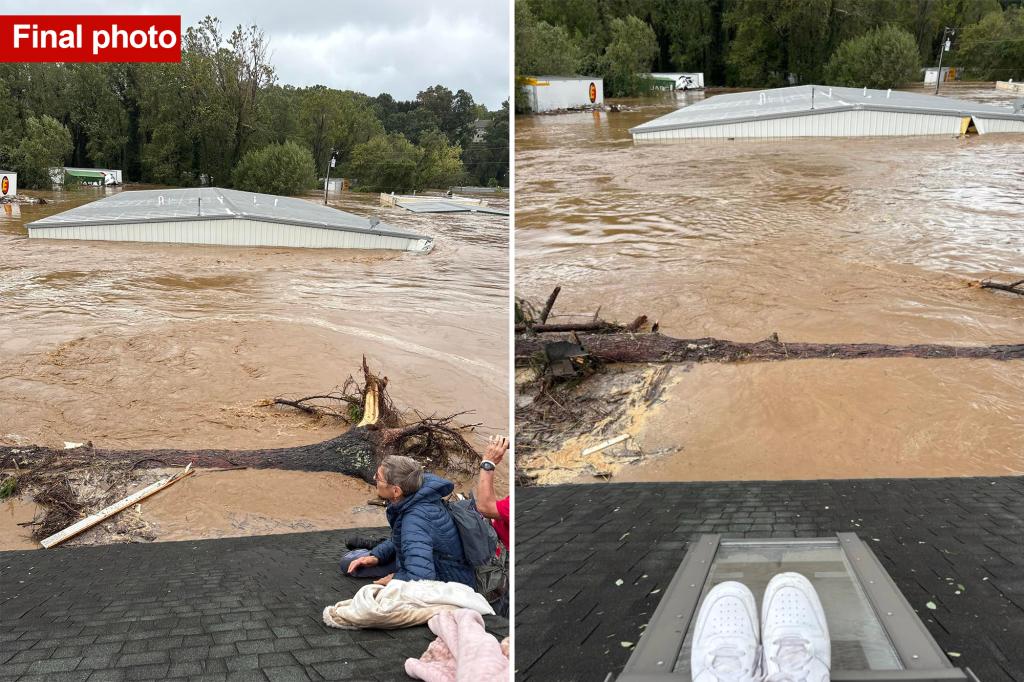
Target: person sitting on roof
{"x": 424, "y": 542}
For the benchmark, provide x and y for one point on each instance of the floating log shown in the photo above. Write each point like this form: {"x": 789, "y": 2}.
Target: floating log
{"x": 654, "y": 347}
{"x": 1013, "y": 287}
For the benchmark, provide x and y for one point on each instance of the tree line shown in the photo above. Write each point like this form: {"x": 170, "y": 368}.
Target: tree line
{"x": 766, "y": 43}
{"x": 220, "y": 117}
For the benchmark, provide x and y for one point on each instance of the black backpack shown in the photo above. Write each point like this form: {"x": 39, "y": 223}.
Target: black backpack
{"x": 479, "y": 541}
{"x": 480, "y": 545}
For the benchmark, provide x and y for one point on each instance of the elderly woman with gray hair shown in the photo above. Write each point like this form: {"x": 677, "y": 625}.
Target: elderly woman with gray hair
{"x": 424, "y": 542}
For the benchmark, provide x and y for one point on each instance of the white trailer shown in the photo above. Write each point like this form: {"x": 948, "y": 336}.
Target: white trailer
{"x": 105, "y": 176}
{"x": 8, "y": 184}
{"x": 683, "y": 81}
{"x": 560, "y": 93}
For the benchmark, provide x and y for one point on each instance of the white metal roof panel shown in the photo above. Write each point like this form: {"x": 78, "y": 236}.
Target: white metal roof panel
{"x": 810, "y": 100}
{"x": 214, "y": 203}
{"x": 442, "y": 206}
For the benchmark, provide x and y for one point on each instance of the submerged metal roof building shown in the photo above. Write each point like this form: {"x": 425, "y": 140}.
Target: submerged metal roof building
{"x": 228, "y": 217}
{"x": 425, "y": 203}
{"x": 823, "y": 111}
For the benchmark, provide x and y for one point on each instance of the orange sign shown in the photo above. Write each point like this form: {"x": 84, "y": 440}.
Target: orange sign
{"x": 5, "y": 185}
{"x": 593, "y": 93}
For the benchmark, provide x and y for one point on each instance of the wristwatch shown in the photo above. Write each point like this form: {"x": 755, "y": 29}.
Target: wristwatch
{"x": 487, "y": 465}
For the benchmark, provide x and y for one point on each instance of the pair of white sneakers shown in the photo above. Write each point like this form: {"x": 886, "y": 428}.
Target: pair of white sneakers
{"x": 791, "y": 645}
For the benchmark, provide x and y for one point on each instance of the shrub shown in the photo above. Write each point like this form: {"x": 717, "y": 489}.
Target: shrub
{"x": 882, "y": 58}
{"x": 387, "y": 163}
{"x": 276, "y": 169}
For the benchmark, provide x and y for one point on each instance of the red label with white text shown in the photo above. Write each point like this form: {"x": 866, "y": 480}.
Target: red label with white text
{"x": 90, "y": 38}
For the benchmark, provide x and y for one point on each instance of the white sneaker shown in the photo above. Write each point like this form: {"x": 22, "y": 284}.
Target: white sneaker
{"x": 725, "y": 636}
{"x": 794, "y": 634}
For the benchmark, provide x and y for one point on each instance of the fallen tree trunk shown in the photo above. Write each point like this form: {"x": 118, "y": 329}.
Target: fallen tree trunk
{"x": 357, "y": 452}
{"x": 56, "y": 476}
{"x": 597, "y": 325}
{"x": 654, "y": 347}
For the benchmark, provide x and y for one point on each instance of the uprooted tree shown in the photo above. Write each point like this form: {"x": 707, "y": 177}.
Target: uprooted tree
{"x": 559, "y": 398}
{"x": 608, "y": 342}
{"x": 378, "y": 430}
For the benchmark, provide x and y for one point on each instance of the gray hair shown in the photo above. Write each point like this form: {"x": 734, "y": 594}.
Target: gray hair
{"x": 405, "y": 472}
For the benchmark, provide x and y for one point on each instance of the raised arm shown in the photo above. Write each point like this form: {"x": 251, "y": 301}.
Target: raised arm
{"x": 486, "y": 499}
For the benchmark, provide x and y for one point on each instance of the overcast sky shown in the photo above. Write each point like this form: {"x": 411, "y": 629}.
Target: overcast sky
{"x": 371, "y": 46}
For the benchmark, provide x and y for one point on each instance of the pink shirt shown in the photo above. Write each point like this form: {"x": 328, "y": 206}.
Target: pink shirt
{"x": 501, "y": 523}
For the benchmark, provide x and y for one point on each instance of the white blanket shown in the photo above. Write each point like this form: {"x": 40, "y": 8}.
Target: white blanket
{"x": 402, "y": 604}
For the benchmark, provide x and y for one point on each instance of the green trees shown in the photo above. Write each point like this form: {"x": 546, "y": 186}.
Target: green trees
{"x": 390, "y": 163}
{"x": 486, "y": 161}
{"x": 762, "y": 43}
{"x": 542, "y": 49}
{"x": 883, "y": 58}
{"x": 440, "y": 163}
{"x": 631, "y": 52}
{"x": 276, "y": 169}
{"x": 454, "y": 112}
{"x": 46, "y": 143}
{"x": 194, "y": 122}
{"x": 993, "y": 48}
{"x": 387, "y": 163}
{"x": 335, "y": 120}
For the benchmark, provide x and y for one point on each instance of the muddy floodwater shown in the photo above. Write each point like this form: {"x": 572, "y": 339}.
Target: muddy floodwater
{"x": 177, "y": 346}
{"x": 819, "y": 240}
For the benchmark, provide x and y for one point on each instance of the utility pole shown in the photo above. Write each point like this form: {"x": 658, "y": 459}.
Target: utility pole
{"x": 327, "y": 181}
{"x": 944, "y": 47}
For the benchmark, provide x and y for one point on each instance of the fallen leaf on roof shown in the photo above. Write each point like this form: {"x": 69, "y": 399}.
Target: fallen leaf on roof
{"x": 954, "y": 654}
{"x": 618, "y": 582}
{"x": 626, "y": 645}
{"x": 931, "y": 605}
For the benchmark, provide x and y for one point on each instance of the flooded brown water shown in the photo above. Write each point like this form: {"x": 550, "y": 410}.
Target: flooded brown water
{"x": 148, "y": 345}
{"x": 829, "y": 240}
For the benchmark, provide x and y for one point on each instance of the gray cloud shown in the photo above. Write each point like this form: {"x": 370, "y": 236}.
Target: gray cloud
{"x": 395, "y": 46}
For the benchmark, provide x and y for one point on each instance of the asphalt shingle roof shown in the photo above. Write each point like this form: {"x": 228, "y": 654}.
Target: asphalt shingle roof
{"x": 573, "y": 542}
{"x": 239, "y": 608}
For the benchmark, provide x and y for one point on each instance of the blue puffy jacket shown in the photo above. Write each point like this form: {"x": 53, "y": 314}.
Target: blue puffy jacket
{"x": 425, "y": 538}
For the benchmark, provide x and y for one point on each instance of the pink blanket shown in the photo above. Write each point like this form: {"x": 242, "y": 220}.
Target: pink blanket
{"x": 462, "y": 652}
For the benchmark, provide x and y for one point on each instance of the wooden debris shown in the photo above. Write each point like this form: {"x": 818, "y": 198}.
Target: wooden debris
{"x": 604, "y": 445}
{"x": 120, "y": 506}
{"x": 549, "y": 305}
